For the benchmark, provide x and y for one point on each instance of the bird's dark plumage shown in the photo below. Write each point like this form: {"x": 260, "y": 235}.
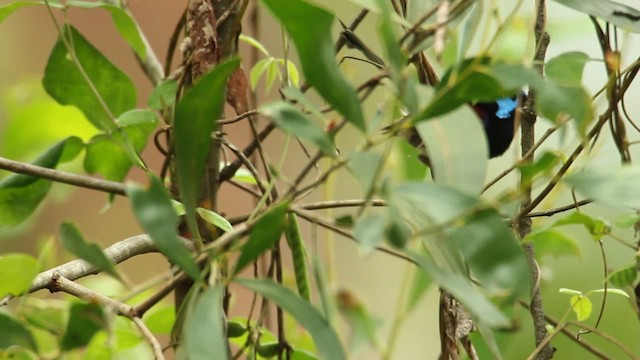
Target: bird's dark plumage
{"x": 498, "y": 120}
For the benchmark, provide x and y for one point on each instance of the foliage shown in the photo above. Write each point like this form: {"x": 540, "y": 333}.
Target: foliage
{"x": 448, "y": 226}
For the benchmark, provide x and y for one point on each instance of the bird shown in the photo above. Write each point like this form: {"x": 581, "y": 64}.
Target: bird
{"x": 499, "y": 122}
{"x": 498, "y": 117}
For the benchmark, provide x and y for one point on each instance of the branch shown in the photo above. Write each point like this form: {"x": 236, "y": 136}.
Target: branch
{"x": 60, "y": 283}
{"x": 88, "y": 182}
{"x": 118, "y": 252}
{"x": 543, "y": 347}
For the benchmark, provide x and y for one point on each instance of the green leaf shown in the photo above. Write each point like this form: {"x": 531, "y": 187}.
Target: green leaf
{"x": 214, "y": 219}
{"x": 553, "y": 242}
{"x": 625, "y": 276}
{"x": 163, "y": 96}
{"x": 161, "y": 321}
{"x": 33, "y": 122}
{"x": 458, "y": 162}
{"x": 257, "y": 70}
{"x": 293, "y": 121}
{"x": 265, "y": 233}
{"x": 611, "y": 291}
{"x": 255, "y": 43}
{"x": 73, "y": 242}
{"x": 107, "y": 156}
{"x": 369, "y": 231}
{"x": 85, "y": 320}
{"x": 542, "y": 164}
{"x": 66, "y": 84}
{"x": 194, "y": 123}
{"x": 307, "y": 316}
{"x": 14, "y": 333}
{"x": 627, "y": 220}
{"x": 298, "y": 255}
{"x": 474, "y": 230}
{"x": 364, "y": 167}
{"x": 582, "y": 306}
{"x": 356, "y": 315}
{"x": 155, "y": 214}
{"x": 310, "y": 28}
{"x": 18, "y": 270}
{"x": 464, "y": 291}
{"x": 567, "y": 68}
{"x": 596, "y": 227}
{"x": 125, "y": 24}
{"x": 618, "y": 14}
{"x": 555, "y": 101}
{"x": 20, "y": 195}
{"x": 204, "y": 333}
{"x": 569, "y": 291}
{"x": 618, "y": 188}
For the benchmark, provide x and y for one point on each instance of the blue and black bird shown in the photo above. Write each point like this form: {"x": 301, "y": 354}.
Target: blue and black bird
{"x": 498, "y": 117}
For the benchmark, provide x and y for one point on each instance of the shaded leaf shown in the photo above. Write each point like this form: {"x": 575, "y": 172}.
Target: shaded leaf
{"x": 553, "y": 242}
{"x": 265, "y": 233}
{"x": 369, "y": 231}
{"x": 293, "y": 121}
{"x": 204, "y": 333}
{"x": 310, "y": 28}
{"x": 85, "y": 320}
{"x": 155, "y": 214}
{"x": 615, "y": 188}
{"x": 13, "y": 332}
{"x": 458, "y": 162}
{"x": 567, "y": 68}
{"x": 20, "y": 195}
{"x": 612, "y": 12}
{"x": 163, "y": 96}
{"x": 18, "y": 270}
{"x": 73, "y": 241}
{"x": 65, "y": 83}
{"x": 193, "y": 125}
{"x": 307, "y": 316}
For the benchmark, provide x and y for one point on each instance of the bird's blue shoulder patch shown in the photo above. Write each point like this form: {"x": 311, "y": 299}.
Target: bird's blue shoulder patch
{"x": 506, "y": 107}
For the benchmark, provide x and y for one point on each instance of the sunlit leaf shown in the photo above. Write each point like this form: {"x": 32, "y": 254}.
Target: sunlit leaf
{"x": 310, "y": 28}
{"x": 214, "y": 219}
{"x": 18, "y": 270}
{"x": 161, "y": 321}
{"x": 65, "y": 82}
{"x": 307, "y": 316}
{"x": 582, "y": 306}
